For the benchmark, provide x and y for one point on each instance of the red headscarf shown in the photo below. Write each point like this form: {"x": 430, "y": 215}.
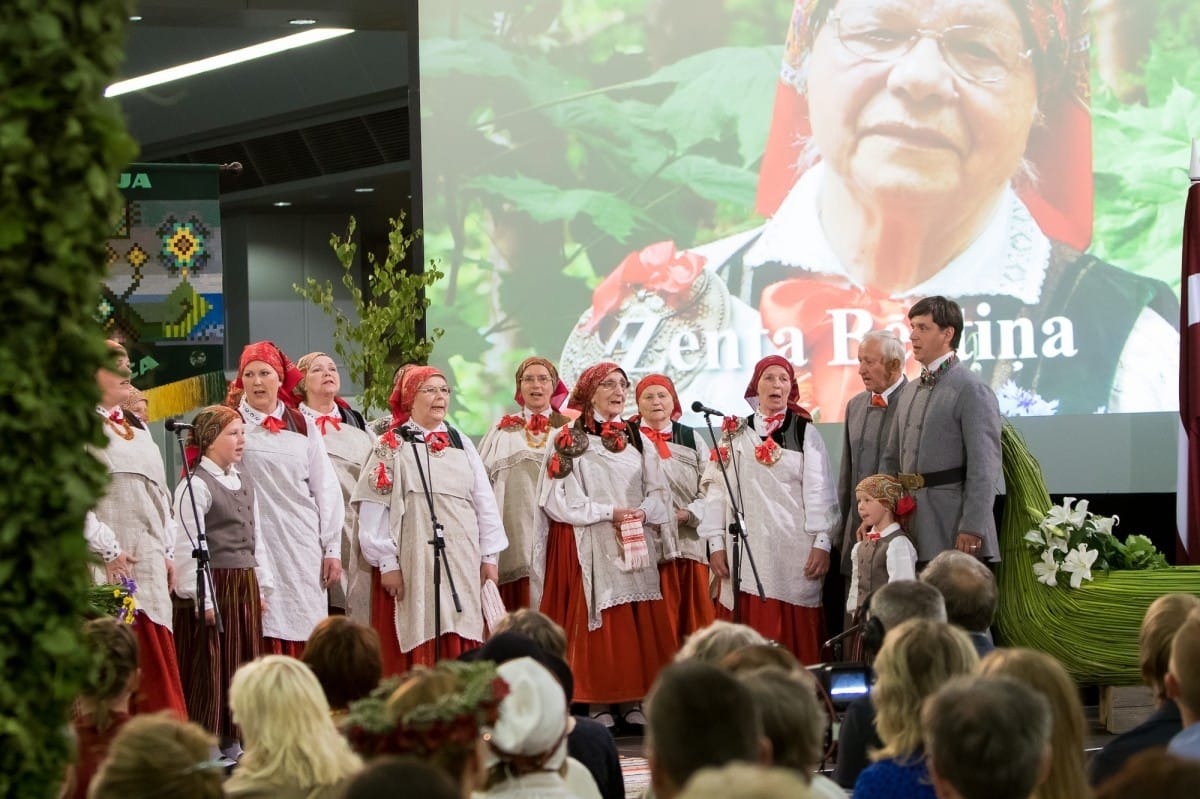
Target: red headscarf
{"x": 664, "y": 382}
{"x": 405, "y": 392}
{"x": 793, "y": 397}
{"x": 585, "y": 388}
{"x": 271, "y": 355}
{"x": 1060, "y": 149}
{"x": 557, "y": 397}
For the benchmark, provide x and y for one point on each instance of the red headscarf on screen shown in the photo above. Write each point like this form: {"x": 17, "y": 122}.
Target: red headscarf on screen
{"x": 1060, "y": 149}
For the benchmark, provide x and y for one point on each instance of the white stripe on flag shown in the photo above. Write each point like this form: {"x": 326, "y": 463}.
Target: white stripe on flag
{"x": 1193, "y": 293}
{"x": 1181, "y": 488}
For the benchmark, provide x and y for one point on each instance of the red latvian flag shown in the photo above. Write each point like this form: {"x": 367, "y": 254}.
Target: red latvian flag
{"x": 1189, "y": 383}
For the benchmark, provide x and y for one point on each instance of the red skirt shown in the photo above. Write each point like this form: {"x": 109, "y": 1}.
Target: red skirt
{"x": 282, "y": 646}
{"x": 619, "y": 661}
{"x": 395, "y": 660}
{"x": 160, "y": 688}
{"x": 685, "y": 589}
{"x": 515, "y": 594}
{"x": 798, "y": 629}
{"x": 207, "y": 661}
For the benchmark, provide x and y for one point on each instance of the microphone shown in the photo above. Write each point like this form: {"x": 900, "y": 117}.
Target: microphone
{"x": 408, "y": 434}
{"x": 174, "y": 425}
{"x": 699, "y": 407}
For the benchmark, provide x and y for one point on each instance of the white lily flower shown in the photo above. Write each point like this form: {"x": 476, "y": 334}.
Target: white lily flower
{"x": 1047, "y": 569}
{"x": 1036, "y": 537}
{"x": 1078, "y": 564}
{"x": 1105, "y": 524}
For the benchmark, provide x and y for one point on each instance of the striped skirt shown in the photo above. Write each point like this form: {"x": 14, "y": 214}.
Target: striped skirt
{"x": 207, "y": 660}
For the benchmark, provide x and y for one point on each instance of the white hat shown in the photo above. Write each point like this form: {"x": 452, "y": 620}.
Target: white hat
{"x": 533, "y": 716}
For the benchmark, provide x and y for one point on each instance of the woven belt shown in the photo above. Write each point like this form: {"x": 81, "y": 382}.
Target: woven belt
{"x": 945, "y": 477}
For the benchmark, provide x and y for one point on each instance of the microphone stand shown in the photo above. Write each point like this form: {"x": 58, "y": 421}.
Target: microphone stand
{"x": 736, "y": 528}
{"x": 437, "y": 541}
{"x": 199, "y": 548}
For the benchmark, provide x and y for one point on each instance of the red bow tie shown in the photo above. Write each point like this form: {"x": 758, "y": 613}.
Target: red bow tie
{"x": 324, "y": 421}
{"x": 660, "y": 439}
{"x": 612, "y": 428}
{"x": 116, "y": 415}
{"x": 773, "y": 422}
{"x": 537, "y": 424}
{"x": 878, "y": 401}
{"x": 273, "y": 423}
{"x": 437, "y": 441}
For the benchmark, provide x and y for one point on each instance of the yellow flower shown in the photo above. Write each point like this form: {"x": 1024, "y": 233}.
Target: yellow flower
{"x": 116, "y": 592}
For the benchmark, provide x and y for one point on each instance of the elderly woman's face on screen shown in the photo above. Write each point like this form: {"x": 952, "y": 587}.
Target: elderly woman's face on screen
{"x": 922, "y": 100}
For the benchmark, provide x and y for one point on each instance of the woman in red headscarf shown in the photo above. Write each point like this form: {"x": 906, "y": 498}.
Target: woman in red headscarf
{"x": 241, "y": 577}
{"x": 395, "y": 527}
{"x": 781, "y": 478}
{"x": 918, "y": 148}
{"x": 513, "y": 452}
{"x": 594, "y": 570}
{"x": 132, "y": 529}
{"x": 683, "y": 565}
{"x": 298, "y": 496}
{"x": 348, "y": 444}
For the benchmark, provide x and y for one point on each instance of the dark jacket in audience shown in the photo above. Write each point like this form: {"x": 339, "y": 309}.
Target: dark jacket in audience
{"x": 1152, "y": 733}
{"x": 592, "y": 745}
{"x": 856, "y": 738}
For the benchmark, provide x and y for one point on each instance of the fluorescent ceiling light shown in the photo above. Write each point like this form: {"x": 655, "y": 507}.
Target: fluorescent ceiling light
{"x": 281, "y": 204}
{"x": 224, "y": 60}
{"x": 302, "y": 21}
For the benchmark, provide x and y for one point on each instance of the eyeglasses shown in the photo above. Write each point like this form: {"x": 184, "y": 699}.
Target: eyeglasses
{"x": 530, "y": 379}
{"x": 609, "y": 385}
{"x": 433, "y": 391}
{"x": 980, "y": 55}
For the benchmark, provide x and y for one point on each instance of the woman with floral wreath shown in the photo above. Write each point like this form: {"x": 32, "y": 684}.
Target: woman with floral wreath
{"x": 297, "y": 492}
{"x": 348, "y": 444}
{"x": 781, "y": 478}
{"x": 513, "y": 452}
{"x": 594, "y": 568}
{"x": 241, "y": 577}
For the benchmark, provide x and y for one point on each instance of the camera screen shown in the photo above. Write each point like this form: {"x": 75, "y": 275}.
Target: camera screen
{"x": 847, "y": 685}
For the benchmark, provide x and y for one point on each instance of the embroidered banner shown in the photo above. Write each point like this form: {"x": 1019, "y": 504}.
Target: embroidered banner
{"x": 163, "y": 296}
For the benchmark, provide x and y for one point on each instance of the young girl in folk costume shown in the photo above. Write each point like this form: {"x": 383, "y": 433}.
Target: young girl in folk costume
{"x": 885, "y": 553}
{"x": 298, "y": 496}
{"x": 131, "y": 528}
{"x": 394, "y": 526}
{"x": 683, "y": 566}
{"x": 594, "y": 570}
{"x": 241, "y": 576}
{"x": 780, "y": 475}
{"x": 348, "y": 444}
{"x": 103, "y": 707}
{"x": 513, "y": 452}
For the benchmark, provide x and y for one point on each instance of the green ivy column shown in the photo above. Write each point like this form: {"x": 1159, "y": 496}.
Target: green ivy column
{"x": 62, "y": 147}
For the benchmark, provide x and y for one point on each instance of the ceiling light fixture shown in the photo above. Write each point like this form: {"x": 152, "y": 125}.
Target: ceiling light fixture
{"x": 364, "y": 190}
{"x": 302, "y": 21}
{"x": 135, "y": 18}
{"x": 223, "y": 60}
{"x": 281, "y": 204}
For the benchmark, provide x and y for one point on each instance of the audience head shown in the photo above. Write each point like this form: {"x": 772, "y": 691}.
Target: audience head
{"x": 438, "y": 714}
{"x": 345, "y": 657}
{"x": 987, "y": 738}
{"x": 1183, "y": 672}
{"x": 1041, "y": 672}
{"x": 502, "y": 647}
{"x": 530, "y": 735}
{"x": 116, "y": 673}
{"x": 895, "y": 603}
{"x": 917, "y": 658}
{"x": 286, "y": 726}
{"x": 710, "y": 644}
{"x": 1162, "y": 620}
{"x": 968, "y": 587}
{"x": 538, "y": 626}
{"x": 698, "y": 715}
{"x": 381, "y": 778}
{"x": 1153, "y": 772}
{"x": 744, "y": 781}
{"x": 761, "y": 656}
{"x": 793, "y": 720}
{"x": 158, "y": 756}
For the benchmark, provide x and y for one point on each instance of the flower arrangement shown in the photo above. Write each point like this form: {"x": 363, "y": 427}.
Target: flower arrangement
{"x": 114, "y": 599}
{"x": 1070, "y": 542}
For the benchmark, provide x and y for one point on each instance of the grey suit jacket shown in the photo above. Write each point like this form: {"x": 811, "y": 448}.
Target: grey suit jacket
{"x": 866, "y": 434}
{"x": 955, "y": 423}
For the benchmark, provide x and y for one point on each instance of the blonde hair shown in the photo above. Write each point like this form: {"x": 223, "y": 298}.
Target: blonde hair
{"x": 286, "y": 727}
{"x": 1041, "y": 672}
{"x": 1163, "y": 619}
{"x": 916, "y": 659}
{"x": 1185, "y": 662}
{"x": 793, "y": 719}
{"x": 539, "y": 627}
{"x": 712, "y": 643}
{"x": 745, "y": 781}
{"x": 158, "y": 756}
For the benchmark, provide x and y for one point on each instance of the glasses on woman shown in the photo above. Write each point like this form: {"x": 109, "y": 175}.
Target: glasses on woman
{"x": 610, "y": 385}
{"x": 977, "y": 54}
{"x": 433, "y": 391}
{"x": 535, "y": 379}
